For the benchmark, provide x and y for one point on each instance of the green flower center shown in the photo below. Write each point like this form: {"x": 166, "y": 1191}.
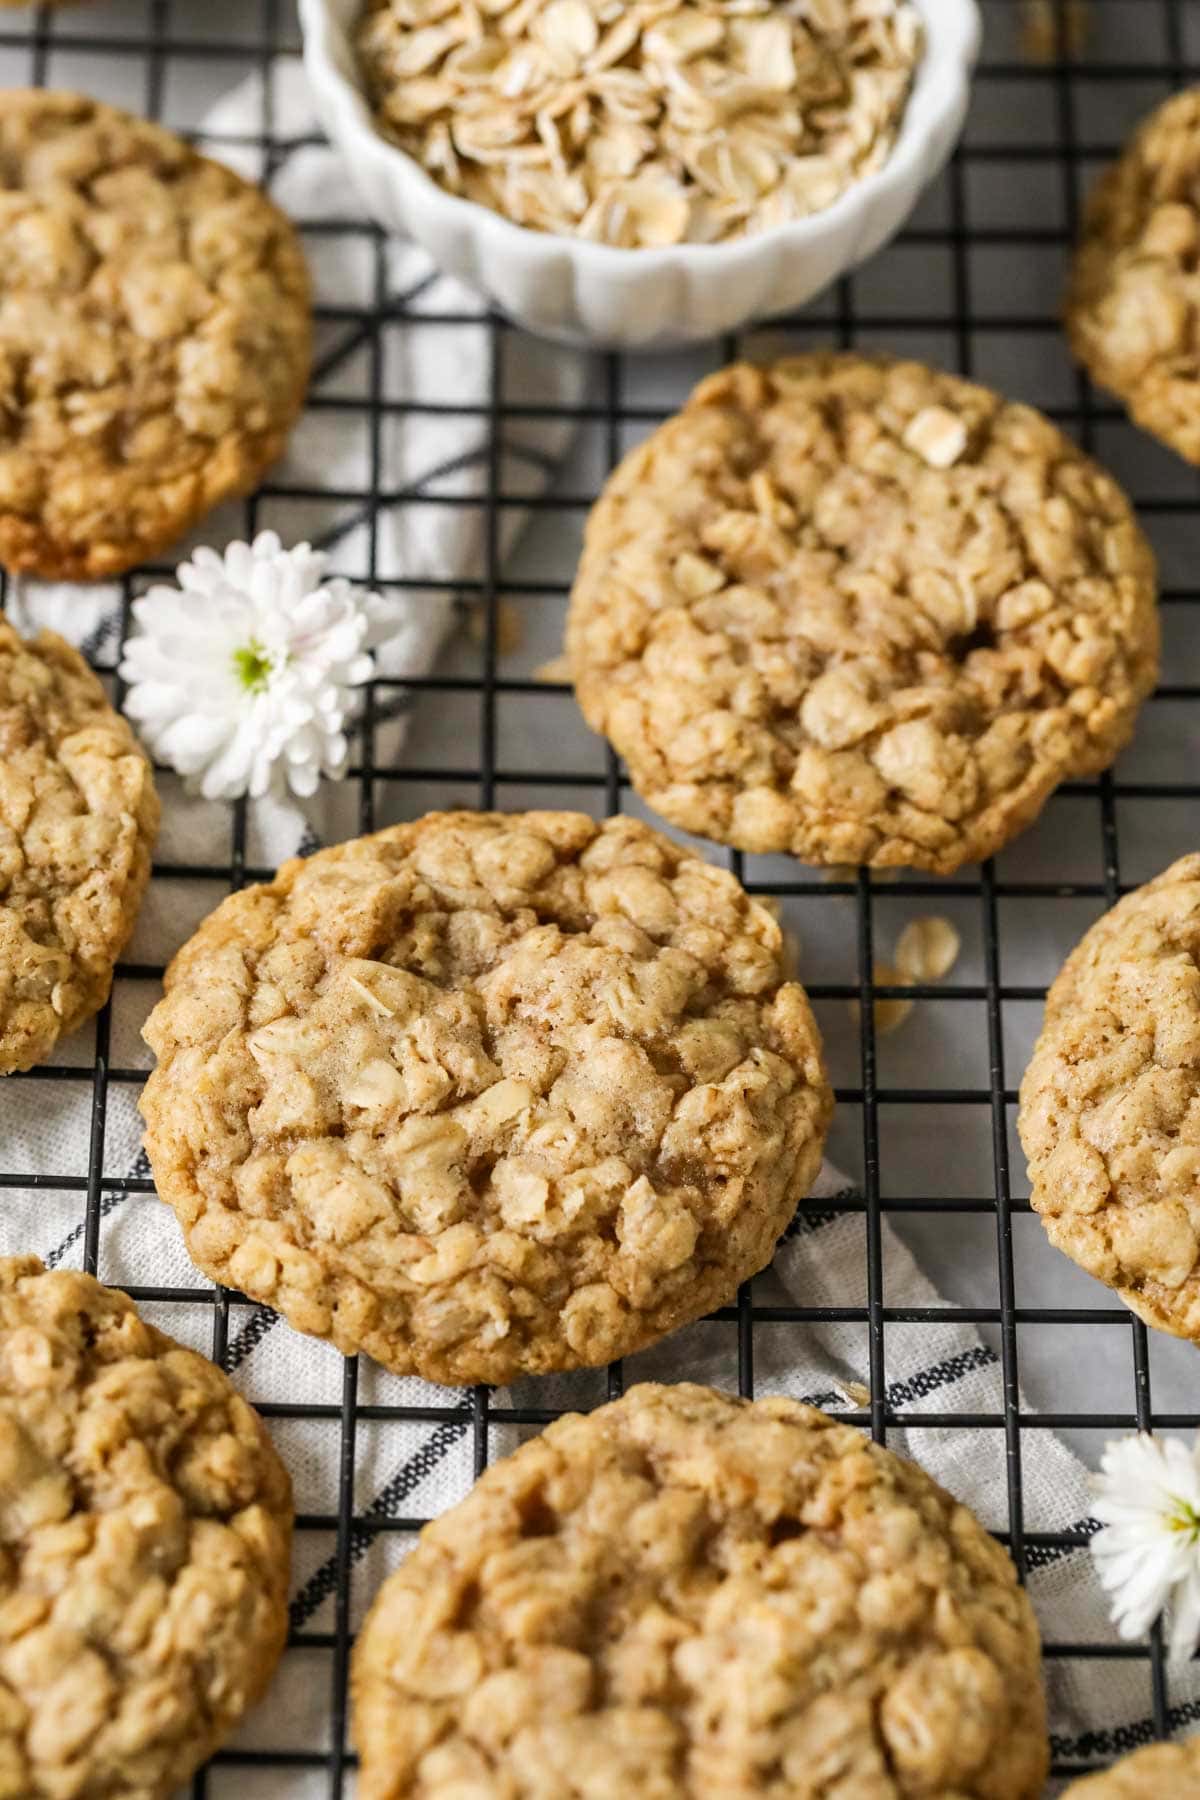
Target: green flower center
{"x": 253, "y": 667}
{"x": 1183, "y": 1517}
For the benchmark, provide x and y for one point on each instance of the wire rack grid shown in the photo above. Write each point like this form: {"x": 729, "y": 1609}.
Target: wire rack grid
{"x": 925, "y": 1120}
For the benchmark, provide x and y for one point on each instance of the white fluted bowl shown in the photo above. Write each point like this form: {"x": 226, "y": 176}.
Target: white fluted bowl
{"x": 566, "y": 287}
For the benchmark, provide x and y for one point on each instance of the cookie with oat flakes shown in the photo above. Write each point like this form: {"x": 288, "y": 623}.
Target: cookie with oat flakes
{"x": 155, "y": 335}
{"x": 487, "y": 1095}
{"x": 683, "y": 1594}
{"x": 145, "y": 1533}
{"x": 861, "y": 611}
{"x": 1110, "y": 1103}
{"x": 1133, "y": 317}
{"x": 1155, "y": 1772}
{"x": 78, "y": 818}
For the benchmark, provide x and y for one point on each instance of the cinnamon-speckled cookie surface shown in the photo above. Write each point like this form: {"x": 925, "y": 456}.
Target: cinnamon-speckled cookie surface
{"x": 861, "y": 611}
{"x": 684, "y": 1595}
{"x": 154, "y": 335}
{"x": 487, "y": 1094}
{"x": 1133, "y": 314}
{"x": 1157, "y": 1772}
{"x": 1110, "y": 1103}
{"x": 145, "y": 1527}
{"x": 78, "y": 817}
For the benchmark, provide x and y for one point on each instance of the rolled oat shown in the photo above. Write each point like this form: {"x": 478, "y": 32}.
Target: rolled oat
{"x": 891, "y": 1013}
{"x": 661, "y": 122}
{"x": 927, "y": 949}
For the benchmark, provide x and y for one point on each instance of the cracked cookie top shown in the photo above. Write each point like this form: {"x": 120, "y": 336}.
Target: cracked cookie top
{"x": 1110, "y": 1103}
{"x": 486, "y": 1094}
{"x": 154, "y": 335}
{"x": 145, "y": 1528}
{"x": 78, "y": 817}
{"x": 1133, "y": 316}
{"x": 683, "y": 1595}
{"x": 860, "y": 611}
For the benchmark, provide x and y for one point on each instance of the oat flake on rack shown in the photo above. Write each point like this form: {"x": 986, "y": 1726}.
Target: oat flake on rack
{"x": 661, "y": 122}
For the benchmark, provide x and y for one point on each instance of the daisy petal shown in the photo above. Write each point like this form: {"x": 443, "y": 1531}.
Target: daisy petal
{"x": 1147, "y": 1554}
{"x": 243, "y": 677}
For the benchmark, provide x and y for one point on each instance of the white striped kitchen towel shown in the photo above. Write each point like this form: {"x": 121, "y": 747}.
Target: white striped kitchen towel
{"x": 412, "y": 1469}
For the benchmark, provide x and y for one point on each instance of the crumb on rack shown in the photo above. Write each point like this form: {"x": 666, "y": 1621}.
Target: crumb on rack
{"x": 510, "y": 627}
{"x": 790, "y": 957}
{"x": 855, "y": 1391}
{"x": 1051, "y": 27}
{"x": 927, "y": 949}
{"x": 889, "y": 1014}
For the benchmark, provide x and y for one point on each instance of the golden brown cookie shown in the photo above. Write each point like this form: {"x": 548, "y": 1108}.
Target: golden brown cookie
{"x": 487, "y": 1094}
{"x": 684, "y": 1595}
{"x": 78, "y": 818}
{"x": 1110, "y": 1103}
{"x": 1133, "y": 316}
{"x": 1157, "y": 1772}
{"x": 155, "y": 335}
{"x": 145, "y": 1529}
{"x": 860, "y": 611}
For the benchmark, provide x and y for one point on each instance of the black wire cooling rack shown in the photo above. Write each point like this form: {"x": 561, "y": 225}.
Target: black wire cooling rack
{"x": 1009, "y": 202}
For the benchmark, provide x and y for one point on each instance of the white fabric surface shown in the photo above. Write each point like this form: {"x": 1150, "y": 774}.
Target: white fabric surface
{"x": 412, "y": 1470}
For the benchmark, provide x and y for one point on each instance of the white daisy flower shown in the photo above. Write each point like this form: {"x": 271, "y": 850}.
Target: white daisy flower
{"x": 1148, "y": 1554}
{"x": 241, "y": 678}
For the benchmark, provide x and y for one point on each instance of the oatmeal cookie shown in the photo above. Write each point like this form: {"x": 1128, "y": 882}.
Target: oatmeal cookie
{"x": 78, "y": 817}
{"x": 860, "y": 611}
{"x": 1110, "y": 1103}
{"x": 145, "y": 1527}
{"x": 684, "y": 1594}
{"x": 1133, "y": 316}
{"x": 154, "y": 335}
{"x": 1157, "y": 1772}
{"x": 486, "y": 1094}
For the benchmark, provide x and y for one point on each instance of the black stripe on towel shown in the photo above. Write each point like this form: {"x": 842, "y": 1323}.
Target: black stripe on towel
{"x": 1105, "y": 1745}
{"x": 108, "y": 1203}
{"x": 386, "y": 1505}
